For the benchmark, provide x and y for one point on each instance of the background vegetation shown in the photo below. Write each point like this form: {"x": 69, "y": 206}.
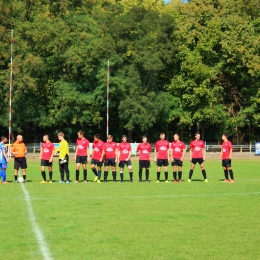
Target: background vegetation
{"x": 174, "y": 67}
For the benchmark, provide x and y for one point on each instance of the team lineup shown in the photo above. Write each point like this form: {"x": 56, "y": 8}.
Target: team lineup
{"x": 110, "y": 154}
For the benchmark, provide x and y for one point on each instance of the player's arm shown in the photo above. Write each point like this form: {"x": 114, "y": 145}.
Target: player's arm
{"x": 117, "y": 157}
{"x": 230, "y": 154}
{"x": 183, "y": 153}
{"x": 41, "y": 153}
{"x": 155, "y": 154}
{"x": 76, "y": 152}
{"x": 88, "y": 154}
{"x": 204, "y": 154}
{"x": 221, "y": 153}
{"x": 129, "y": 155}
{"x": 102, "y": 155}
{"x": 191, "y": 152}
{"x": 52, "y": 154}
{"x": 25, "y": 150}
{"x": 5, "y": 155}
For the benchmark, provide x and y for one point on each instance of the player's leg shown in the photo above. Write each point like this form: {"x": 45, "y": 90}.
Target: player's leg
{"x": 130, "y": 168}
{"x": 113, "y": 167}
{"x": 180, "y": 173}
{"x": 61, "y": 169}
{"x": 158, "y": 170}
{"x": 50, "y": 171}
{"x": 94, "y": 170}
{"x": 140, "y": 170}
{"x": 230, "y": 171}
{"x": 43, "y": 171}
{"x": 16, "y": 168}
{"x": 84, "y": 166}
{"x": 147, "y": 166}
{"x": 191, "y": 169}
{"x": 166, "y": 170}
{"x": 121, "y": 170}
{"x": 224, "y": 165}
{"x": 107, "y": 164}
{"x": 66, "y": 168}
{"x": 24, "y": 166}
{"x": 203, "y": 171}
{"x": 77, "y": 171}
{"x": 99, "y": 171}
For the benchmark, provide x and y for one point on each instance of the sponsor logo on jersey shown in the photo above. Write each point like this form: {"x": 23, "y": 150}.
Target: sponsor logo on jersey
{"x": 96, "y": 149}
{"x": 45, "y": 150}
{"x": 177, "y": 149}
{"x": 197, "y": 148}
{"x": 80, "y": 146}
{"x": 125, "y": 151}
{"x": 145, "y": 151}
{"x": 109, "y": 149}
{"x": 163, "y": 148}
{"x": 224, "y": 150}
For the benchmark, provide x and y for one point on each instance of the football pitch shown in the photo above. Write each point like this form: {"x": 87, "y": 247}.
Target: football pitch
{"x": 110, "y": 220}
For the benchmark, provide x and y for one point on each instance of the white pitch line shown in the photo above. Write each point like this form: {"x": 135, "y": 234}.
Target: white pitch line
{"x": 36, "y": 229}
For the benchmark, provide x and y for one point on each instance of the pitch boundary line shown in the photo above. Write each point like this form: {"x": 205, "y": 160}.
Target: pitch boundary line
{"x": 36, "y": 229}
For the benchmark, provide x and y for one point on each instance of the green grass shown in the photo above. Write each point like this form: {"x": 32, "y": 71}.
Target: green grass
{"x": 194, "y": 220}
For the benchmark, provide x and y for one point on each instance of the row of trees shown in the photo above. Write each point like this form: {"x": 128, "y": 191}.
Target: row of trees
{"x": 174, "y": 67}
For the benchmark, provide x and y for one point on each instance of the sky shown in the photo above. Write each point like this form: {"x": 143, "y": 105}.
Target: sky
{"x": 166, "y": 1}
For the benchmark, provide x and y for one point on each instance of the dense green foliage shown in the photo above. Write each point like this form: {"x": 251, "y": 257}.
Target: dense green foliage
{"x": 174, "y": 67}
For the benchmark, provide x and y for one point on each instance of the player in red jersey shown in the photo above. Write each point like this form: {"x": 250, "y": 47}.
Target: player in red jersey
{"x": 81, "y": 155}
{"x": 143, "y": 150}
{"x": 161, "y": 156}
{"x": 197, "y": 155}
{"x": 110, "y": 153}
{"x": 46, "y": 157}
{"x": 124, "y": 155}
{"x": 226, "y": 155}
{"x": 177, "y": 153}
{"x": 97, "y": 157}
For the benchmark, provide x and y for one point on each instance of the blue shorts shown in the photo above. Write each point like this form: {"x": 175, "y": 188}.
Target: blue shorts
{"x": 3, "y": 165}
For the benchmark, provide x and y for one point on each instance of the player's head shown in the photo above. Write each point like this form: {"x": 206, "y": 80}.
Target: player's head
{"x": 110, "y": 138}
{"x": 19, "y": 138}
{"x": 176, "y": 137}
{"x": 124, "y": 138}
{"x": 224, "y": 137}
{"x": 144, "y": 139}
{"x": 197, "y": 135}
{"x": 45, "y": 138}
{"x": 3, "y": 139}
{"x": 162, "y": 136}
{"x": 60, "y": 135}
{"x": 96, "y": 137}
{"x": 80, "y": 134}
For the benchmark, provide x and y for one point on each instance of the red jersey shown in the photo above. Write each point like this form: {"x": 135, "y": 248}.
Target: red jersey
{"x": 162, "y": 147}
{"x": 110, "y": 149}
{"x": 196, "y": 147}
{"x": 125, "y": 149}
{"x": 97, "y": 149}
{"x": 82, "y": 145}
{"x": 177, "y": 149}
{"x": 226, "y": 147}
{"x": 47, "y": 149}
{"x": 144, "y": 149}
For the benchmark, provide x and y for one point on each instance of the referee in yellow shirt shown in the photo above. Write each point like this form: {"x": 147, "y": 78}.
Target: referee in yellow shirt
{"x": 64, "y": 158}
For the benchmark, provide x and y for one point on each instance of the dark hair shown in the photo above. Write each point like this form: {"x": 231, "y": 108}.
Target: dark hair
{"x": 176, "y": 134}
{"x": 144, "y": 136}
{"x": 162, "y": 134}
{"x": 197, "y": 133}
{"x": 81, "y": 132}
{"x": 97, "y": 136}
{"x": 3, "y": 138}
{"x": 225, "y": 135}
{"x": 124, "y": 136}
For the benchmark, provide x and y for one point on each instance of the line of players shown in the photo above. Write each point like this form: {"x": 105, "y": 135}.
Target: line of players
{"x": 110, "y": 154}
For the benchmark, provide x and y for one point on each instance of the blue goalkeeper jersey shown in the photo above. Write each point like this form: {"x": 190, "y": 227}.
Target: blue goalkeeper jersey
{"x": 2, "y": 149}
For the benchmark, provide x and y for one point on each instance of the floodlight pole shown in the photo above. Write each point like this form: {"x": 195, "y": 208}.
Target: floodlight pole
{"x": 10, "y": 95}
{"x": 107, "y": 97}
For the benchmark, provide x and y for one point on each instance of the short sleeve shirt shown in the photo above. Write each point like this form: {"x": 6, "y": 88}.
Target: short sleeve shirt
{"x": 47, "y": 149}
{"x": 144, "y": 149}
{"x": 110, "y": 149}
{"x": 162, "y": 146}
{"x": 177, "y": 149}
{"x": 97, "y": 149}
{"x": 226, "y": 147}
{"x": 196, "y": 147}
{"x": 125, "y": 149}
{"x": 82, "y": 145}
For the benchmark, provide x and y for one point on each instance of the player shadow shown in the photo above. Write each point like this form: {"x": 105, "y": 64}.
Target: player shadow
{"x": 197, "y": 180}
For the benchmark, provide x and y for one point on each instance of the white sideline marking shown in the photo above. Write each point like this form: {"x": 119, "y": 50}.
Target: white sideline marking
{"x": 36, "y": 229}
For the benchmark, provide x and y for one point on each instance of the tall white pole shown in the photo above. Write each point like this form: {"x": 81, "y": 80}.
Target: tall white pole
{"x": 107, "y": 96}
{"x": 10, "y": 95}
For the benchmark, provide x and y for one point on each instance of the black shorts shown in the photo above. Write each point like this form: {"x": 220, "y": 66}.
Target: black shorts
{"x": 177, "y": 162}
{"x": 123, "y": 163}
{"x": 226, "y": 163}
{"x": 20, "y": 162}
{"x": 162, "y": 162}
{"x": 110, "y": 162}
{"x": 144, "y": 164}
{"x": 46, "y": 163}
{"x": 197, "y": 160}
{"x": 96, "y": 162}
{"x": 81, "y": 159}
